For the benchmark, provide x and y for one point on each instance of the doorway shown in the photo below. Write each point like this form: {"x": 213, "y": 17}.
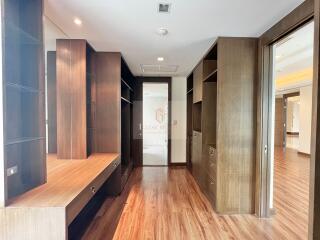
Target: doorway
{"x": 155, "y": 124}
{"x": 290, "y": 126}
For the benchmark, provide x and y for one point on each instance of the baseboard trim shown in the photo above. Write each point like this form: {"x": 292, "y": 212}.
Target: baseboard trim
{"x": 178, "y": 164}
{"x": 272, "y": 212}
{"x": 304, "y": 154}
{"x": 293, "y": 133}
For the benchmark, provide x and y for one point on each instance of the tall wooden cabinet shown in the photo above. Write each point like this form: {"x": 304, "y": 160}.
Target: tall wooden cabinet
{"x": 223, "y": 117}
{"x": 75, "y": 73}
{"x": 113, "y": 111}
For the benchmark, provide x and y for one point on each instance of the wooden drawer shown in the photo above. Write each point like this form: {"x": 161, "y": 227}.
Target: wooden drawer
{"x": 197, "y": 167}
{"x": 75, "y": 207}
{"x": 211, "y": 164}
{"x": 210, "y": 189}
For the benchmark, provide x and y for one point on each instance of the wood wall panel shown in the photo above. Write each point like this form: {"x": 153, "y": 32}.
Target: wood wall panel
{"x": 108, "y": 108}
{"x": 71, "y": 99}
{"x": 52, "y": 102}
{"x": 236, "y": 112}
{"x": 197, "y": 83}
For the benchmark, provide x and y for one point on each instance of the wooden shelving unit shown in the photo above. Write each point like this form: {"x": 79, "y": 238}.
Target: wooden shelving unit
{"x": 197, "y": 116}
{"x": 189, "y": 119}
{"x": 127, "y": 81}
{"x": 113, "y": 111}
{"x": 222, "y": 116}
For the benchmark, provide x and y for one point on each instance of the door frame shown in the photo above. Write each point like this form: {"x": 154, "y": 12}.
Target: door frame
{"x": 167, "y": 80}
{"x": 295, "y": 20}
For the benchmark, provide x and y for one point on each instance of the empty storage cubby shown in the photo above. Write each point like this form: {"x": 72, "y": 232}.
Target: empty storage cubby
{"x": 197, "y": 120}
{"x": 24, "y": 97}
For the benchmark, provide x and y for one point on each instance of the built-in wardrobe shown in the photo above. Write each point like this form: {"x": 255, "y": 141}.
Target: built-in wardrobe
{"x": 94, "y": 113}
{"x": 221, "y": 115}
{"x": 112, "y": 110}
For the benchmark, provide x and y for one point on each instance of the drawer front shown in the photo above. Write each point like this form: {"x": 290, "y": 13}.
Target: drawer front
{"x": 197, "y": 157}
{"x": 210, "y": 189}
{"x": 75, "y": 207}
{"x": 211, "y": 164}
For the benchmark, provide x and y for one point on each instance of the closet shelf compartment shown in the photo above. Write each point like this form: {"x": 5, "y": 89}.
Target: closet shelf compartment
{"x": 125, "y": 100}
{"x": 212, "y": 77}
{"x": 126, "y": 84}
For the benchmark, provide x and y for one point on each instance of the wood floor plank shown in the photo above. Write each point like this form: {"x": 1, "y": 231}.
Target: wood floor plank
{"x": 166, "y": 203}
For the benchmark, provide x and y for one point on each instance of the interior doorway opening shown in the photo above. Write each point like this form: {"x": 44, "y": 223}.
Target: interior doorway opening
{"x": 155, "y": 124}
{"x": 290, "y": 127}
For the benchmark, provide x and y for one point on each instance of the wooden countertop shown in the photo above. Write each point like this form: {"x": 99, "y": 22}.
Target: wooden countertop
{"x": 66, "y": 180}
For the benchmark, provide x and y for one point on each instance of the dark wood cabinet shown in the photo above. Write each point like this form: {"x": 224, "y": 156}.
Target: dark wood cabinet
{"x": 113, "y": 111}
{"x": 223, "y": 116}
{"x": 189, "y": 120}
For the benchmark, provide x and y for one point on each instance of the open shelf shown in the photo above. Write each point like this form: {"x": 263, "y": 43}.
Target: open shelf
{"x": 127, "y": 96}
{"x": 123, "y": 82}
{"x": 190, "y": 83}
{"x": 125, "y": 100}
{"x": 209, "y": 109}
{"x": 212, "y": 77}
{"x": 190, "y": 91}
{"x": 197, "y": 116}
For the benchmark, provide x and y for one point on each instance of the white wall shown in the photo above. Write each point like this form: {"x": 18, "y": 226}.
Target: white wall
{"x": 305, "y": 119}
{"x": 179, "y": 115}
{"x": 2, "y": 161}
{"x": 293, "y": 116}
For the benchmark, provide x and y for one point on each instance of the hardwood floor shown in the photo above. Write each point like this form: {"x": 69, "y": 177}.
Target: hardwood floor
{"x": 166, "y": 203}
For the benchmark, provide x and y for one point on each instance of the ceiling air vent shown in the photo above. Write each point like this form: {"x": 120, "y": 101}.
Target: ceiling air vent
{"x": 158, "y": 69}
{"x": 164, "y": 7}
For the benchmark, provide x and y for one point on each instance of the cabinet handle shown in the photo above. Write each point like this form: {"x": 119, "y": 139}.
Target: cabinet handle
{"x": 93, "y": 189}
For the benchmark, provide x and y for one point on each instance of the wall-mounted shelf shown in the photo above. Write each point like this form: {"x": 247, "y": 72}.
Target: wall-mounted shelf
{"x": 197, "y": 116}
{"x": 190, "y": 91}
{"x": 212, "y": 77}
{"x": 126, "y": 84}
{"x": 126, "y": 100}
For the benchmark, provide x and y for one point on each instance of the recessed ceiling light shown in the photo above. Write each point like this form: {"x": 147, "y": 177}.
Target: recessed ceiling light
{"x": 160, "y": 59}
{"x": 162, "y": 31}
{"x": 77, "y": 21}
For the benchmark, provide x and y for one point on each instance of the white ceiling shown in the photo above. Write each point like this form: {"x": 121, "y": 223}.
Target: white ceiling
{"x": 294, "y": 54}
{"x": 130, "y": 26}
